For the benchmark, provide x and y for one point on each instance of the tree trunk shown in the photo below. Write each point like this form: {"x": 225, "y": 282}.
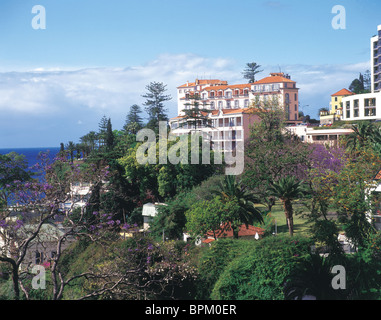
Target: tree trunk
{"x": 288, "y": 211}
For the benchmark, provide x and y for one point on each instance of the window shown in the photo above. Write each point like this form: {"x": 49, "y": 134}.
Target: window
{"x": 296, "y": 107}
{"x": 348, "y": 110}
{"x": 287, "y": 98}
{"x": 228, "y": 104}
{"x": 236, "y": 104}
{"x": 295, "y": 96}
{"x": 239, "y": 121}
{"x": 370, "y": 107}
{"x": 355, "y": 108}
{"x": 246, "y": 103}
{"x": 212, "y": 105}
{"x": 220, "y": 104}
{"x": 39, "y": 257}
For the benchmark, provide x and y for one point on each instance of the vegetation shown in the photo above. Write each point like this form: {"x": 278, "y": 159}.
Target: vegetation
{"x": 303, "y": 196}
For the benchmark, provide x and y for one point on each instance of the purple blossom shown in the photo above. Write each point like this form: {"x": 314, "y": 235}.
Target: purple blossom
{"x": 3, "y": 224}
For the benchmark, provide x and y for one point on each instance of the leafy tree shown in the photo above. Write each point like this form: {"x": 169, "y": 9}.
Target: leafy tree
{"x": 155, "y": 104}
{"x": 357, "y": 85}
{"x": 13, "y": 167}
{"x": 210, "y": 217}
{"x": 287, "y": 189}
{"x": 134, "y": 122}
{"x": 250, "y": 71}
{"x": 158, "y": 182}
{"x": 271, "y": 152}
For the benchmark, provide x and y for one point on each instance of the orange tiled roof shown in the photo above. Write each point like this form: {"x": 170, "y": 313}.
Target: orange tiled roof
{"x": 242, "y": 232}
{"x": 224, "y": 87}
{"x": 224, "y": 111}
{"x": 273, "y": 79}
{"x": 211, "y": 81}
{"x": 378, "y": 175}
{"x": 343, "y": 92}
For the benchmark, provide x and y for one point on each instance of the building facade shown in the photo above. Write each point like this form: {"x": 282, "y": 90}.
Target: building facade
{"x": 327, "y": 137}
{"x": 367, "y": 106}
{"x": 229, "y": 116}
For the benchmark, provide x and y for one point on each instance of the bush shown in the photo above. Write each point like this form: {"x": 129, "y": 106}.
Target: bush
{"x": 260, "y": 272}
{"x": 213, "y": 261}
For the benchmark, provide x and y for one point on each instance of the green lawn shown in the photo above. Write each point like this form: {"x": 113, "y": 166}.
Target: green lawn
{"x": 301, "y": 224}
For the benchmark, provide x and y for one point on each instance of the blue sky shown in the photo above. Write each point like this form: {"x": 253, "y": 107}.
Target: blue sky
{"x": 95, "y": 57}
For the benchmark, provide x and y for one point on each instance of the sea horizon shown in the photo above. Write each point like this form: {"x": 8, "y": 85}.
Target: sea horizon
{"x": 31, "y": 153}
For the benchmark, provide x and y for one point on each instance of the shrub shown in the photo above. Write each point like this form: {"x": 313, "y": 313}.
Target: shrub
{"x": 260, "y": 272}
{"x": 213, "y": 260}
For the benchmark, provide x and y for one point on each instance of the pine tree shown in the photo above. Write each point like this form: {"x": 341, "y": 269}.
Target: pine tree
{"x": 250, "y": 71}
{"x": 109, "y": 135}
{"x": 196, "y": 114}
{"x": 133, "y": 120}
{"x": 102, "y": 131}
{"x": 154, "y": 104}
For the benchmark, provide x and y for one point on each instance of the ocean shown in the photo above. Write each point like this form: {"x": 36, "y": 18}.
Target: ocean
{"x": 31, "y": 154}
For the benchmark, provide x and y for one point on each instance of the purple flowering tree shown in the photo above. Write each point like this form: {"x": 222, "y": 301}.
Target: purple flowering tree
{"x": 47, "y": 222}
{"x": 41, "y": 224}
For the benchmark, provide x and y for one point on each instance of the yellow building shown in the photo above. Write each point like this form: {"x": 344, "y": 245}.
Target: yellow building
{"x": 336, "y": 105}
{"x": 335, "y": 112}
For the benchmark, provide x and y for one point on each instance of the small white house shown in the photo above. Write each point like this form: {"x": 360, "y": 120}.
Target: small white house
{"x": 150, "y": 211}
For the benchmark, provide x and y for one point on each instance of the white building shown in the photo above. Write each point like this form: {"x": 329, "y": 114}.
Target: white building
{"x": 327, "y": 137}
{"x": 367, "y": 106}
{"x": 229, "y": 117}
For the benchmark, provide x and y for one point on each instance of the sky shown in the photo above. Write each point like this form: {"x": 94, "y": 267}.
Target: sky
{"x": 96, "y": 57}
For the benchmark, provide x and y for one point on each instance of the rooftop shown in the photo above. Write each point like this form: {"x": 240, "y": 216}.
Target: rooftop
{"x": 343, "y": 92}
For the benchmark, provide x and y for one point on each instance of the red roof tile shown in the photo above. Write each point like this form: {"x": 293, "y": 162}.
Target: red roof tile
{"x": 274, "y": 79}
{"x": 343, "y": 92}
{"x": 378, "y": 175}
{"x": 227, "y": 231}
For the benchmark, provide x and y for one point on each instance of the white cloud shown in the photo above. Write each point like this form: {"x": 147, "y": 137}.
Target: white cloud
{"x": 101, "y": 89}
{"x": 56, "y": 98}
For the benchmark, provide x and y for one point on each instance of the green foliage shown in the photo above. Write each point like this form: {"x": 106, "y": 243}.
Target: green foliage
{"x": 207, "y": 216}
{"x": 250, "y": 71}
{"x": 260, "y": 272}
{"x": 160, "y": 182}
{"x": 213, "y": 261}
{"x": 171, "y": 218}
{"x": 154, "y": 104}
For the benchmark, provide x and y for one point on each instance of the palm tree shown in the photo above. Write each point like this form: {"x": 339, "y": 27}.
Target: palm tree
{"x": 71, "y": 147}
{"x": 362, "y": 132}
{"x": 287, "y": 189}
{"x": 231, "y": 190}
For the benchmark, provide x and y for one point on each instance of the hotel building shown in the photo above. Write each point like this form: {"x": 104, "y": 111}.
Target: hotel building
{"x": 367, "y": 106}
{"x": 229, "y": 114}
